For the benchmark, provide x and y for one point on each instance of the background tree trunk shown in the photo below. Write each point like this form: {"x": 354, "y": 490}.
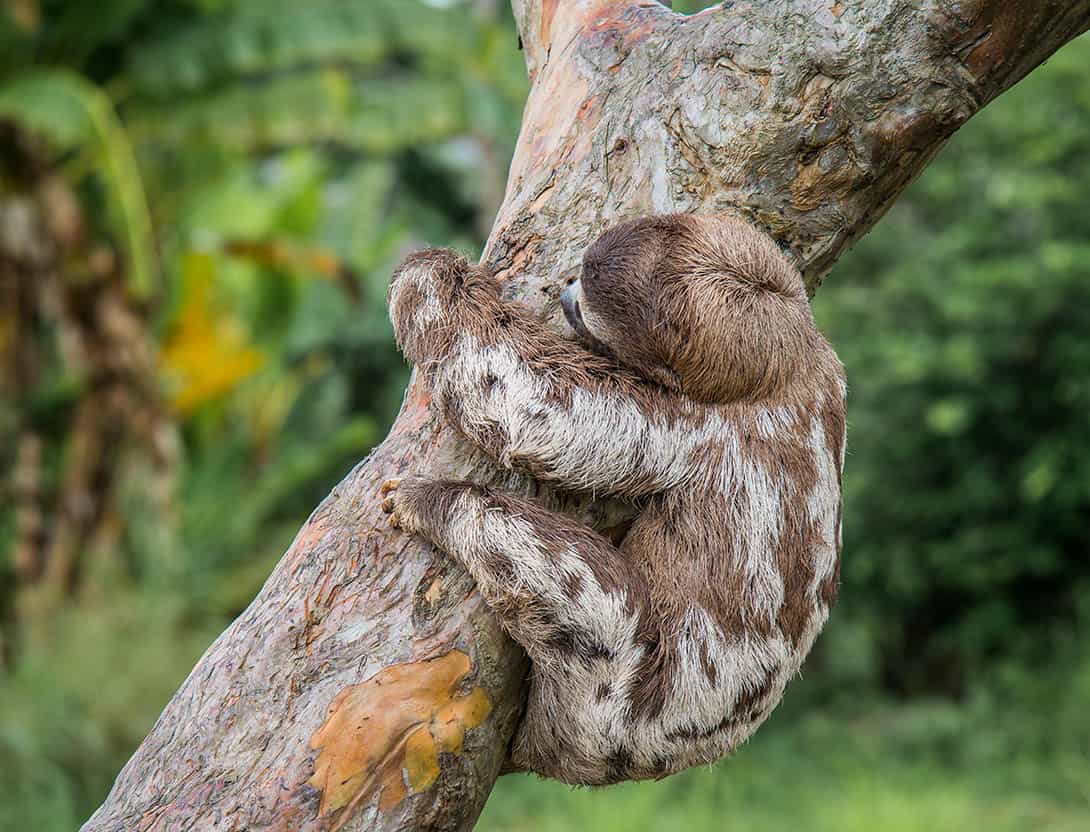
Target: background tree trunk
{"x": 57, "y": 274}
{"x": 367, "y": 687}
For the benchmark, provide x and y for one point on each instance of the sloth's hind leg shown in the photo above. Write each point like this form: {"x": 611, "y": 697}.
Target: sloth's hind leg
{"x": 560, "y": 589}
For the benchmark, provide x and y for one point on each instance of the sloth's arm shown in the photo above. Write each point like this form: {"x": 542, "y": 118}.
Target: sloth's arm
{"x": 533, "y": 400}
{"x": 561, "y": 590}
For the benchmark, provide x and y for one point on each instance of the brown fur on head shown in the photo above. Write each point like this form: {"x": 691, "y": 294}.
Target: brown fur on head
{"x": 706, "y": 305}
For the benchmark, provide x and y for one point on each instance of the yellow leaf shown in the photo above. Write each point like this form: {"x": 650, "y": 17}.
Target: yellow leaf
{"x": 207, "y": 354}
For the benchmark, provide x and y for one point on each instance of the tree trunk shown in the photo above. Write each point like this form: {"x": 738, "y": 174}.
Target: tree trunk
{"x": 367, "y": 687}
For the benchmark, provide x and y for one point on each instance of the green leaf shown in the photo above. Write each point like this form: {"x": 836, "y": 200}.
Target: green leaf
{"x": 326, "y": 106}
{"x": 259, "y": 38}
{"x": 73, "y": 114}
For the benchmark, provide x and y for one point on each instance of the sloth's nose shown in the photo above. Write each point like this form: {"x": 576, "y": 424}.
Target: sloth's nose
{"x": 569, "y": 301}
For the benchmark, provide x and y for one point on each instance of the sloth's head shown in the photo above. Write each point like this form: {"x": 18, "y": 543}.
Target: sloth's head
{"x": 705, "y": 305}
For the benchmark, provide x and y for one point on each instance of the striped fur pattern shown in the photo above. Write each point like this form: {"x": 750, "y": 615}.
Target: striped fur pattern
{"x": 712, "y": 398}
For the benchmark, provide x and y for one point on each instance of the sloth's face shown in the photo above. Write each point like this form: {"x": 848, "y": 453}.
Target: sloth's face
{"x": 610, "y": 308}
{"x": 572, "y": 301}
{"x": 707, "y": 306}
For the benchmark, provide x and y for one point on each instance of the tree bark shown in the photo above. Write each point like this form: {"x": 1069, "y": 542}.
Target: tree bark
{"x": 367, "y": 687}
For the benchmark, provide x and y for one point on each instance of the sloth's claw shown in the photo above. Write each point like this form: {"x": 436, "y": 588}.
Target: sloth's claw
{"x": 389, "y": 503}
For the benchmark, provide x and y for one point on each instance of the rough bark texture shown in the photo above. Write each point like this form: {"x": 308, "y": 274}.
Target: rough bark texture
{"x": 367, "y": 687}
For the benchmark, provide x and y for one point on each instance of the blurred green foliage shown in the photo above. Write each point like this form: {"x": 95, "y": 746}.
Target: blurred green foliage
{"x": 964, "y": 321}
{"x": 263, "y": 164}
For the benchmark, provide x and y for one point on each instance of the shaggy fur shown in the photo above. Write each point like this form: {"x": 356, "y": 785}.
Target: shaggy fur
{"x": 712, "y": 396}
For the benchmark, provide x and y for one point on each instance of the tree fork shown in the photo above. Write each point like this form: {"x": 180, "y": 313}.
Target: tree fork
{"x": 367, "y": 687}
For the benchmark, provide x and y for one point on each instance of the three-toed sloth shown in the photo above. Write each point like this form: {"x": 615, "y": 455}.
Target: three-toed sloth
{"x": 706, "y": 389}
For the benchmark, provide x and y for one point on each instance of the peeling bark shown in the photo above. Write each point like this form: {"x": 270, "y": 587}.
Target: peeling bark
{"x": 808, "y": 117}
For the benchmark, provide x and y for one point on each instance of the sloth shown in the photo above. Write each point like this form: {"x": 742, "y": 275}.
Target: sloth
{"x": 700, "y": 389}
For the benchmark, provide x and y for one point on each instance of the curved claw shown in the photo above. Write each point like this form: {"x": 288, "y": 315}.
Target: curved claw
{"x": 389, "y": 504}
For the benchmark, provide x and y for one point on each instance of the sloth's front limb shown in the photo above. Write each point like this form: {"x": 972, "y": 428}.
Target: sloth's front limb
{"x": 561, "y": 590}
{"x": 535, "y": 401}
{"x": 547, "y": 417}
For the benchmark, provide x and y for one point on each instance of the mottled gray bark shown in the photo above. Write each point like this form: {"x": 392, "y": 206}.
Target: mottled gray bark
{"x": 367, "y": 687}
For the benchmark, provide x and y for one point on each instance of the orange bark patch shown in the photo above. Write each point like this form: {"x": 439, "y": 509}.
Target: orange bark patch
{"x": 433, "y": 591}
{"x": 419, "y": 397}
{"x": 1005, "y": 39}
{"x": 541, "y": 199}
{"x": 608, "y": 19}
{"x": 814, "y": 186}
{"x": 522, "y": 254}
{"x": 589, "y": 107}
{"x": 837, "y": 9}
{"x": 384, "y": 736}
{"x": 547, "y": 12}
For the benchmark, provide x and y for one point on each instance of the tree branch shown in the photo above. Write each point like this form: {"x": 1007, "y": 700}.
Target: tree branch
{"x": 367, "y": 686}
{"x": 543, "y": 23}
{"x": 808, "y": 116}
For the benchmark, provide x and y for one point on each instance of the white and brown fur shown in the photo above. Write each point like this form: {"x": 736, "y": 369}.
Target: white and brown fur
{"x": 711, "y": 395}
